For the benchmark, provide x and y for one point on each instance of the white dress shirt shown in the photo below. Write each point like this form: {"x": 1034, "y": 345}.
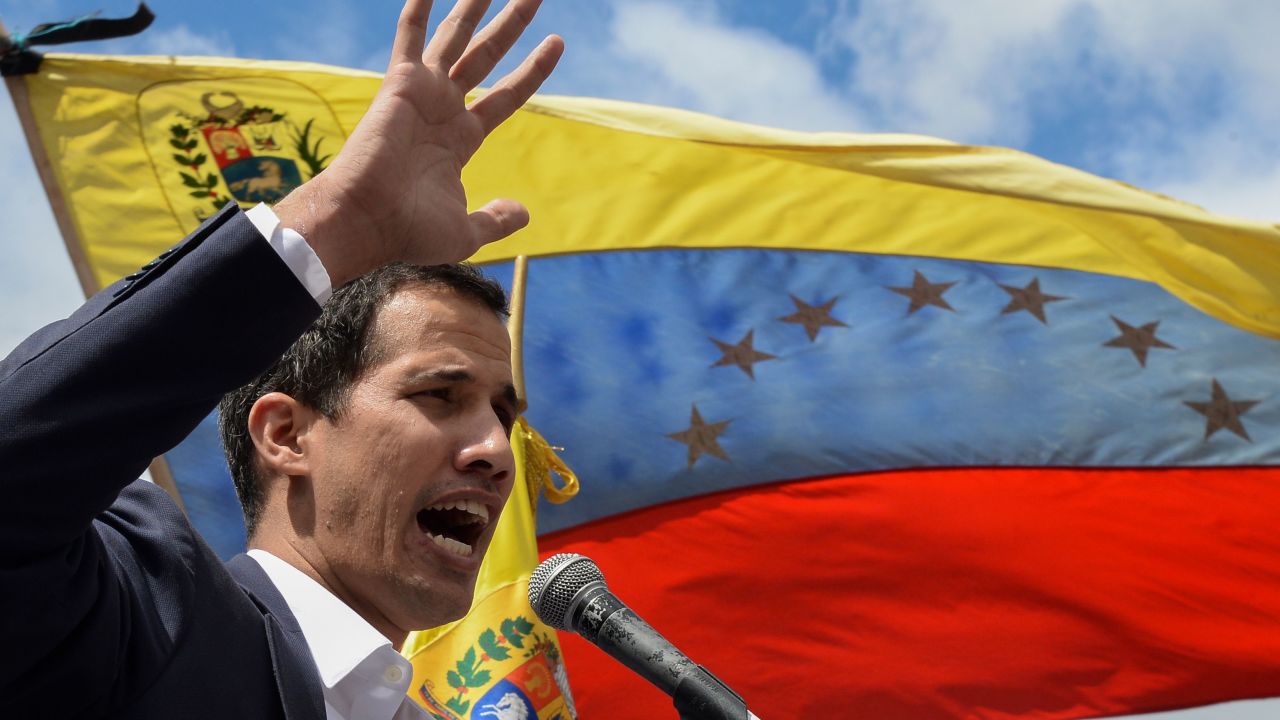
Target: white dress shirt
{"x": 364, "y": 678}
{"x": 294, "y": 250}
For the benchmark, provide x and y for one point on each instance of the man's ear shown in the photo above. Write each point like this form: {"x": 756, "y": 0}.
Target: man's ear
{"x": 278, "y": 425}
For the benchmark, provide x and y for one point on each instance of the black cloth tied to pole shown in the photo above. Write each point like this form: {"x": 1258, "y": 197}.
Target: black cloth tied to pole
{"x": 17, "y": 57}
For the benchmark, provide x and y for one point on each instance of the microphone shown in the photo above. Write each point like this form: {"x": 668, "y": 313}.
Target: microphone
{"x": 568, "y": 592}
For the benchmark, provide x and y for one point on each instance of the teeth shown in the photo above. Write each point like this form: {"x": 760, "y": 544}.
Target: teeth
{"x": 470, "y": 506}
{"x": 453, "y": 546}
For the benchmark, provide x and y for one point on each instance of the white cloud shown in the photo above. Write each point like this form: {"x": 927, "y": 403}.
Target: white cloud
{"x": 1178, "y": 94}
{"x": 709, "y": 65}
{"x": 1226, "y": 156}
{"x": 1173, "y": 39}
{"x": 1228, "y": 182}
{"x": 957, "y": 70}
{"x": 1181, "y": 94}
{"x": 180, "y": 40}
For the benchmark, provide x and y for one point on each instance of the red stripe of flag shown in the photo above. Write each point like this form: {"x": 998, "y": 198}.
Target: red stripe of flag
{"x": 961, "y": 593}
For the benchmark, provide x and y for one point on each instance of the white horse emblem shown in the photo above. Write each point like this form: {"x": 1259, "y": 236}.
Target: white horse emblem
{"x": 510, "y": 707}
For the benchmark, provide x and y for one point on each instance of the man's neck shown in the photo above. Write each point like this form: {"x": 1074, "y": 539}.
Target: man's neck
{"x": 290, "y": 553}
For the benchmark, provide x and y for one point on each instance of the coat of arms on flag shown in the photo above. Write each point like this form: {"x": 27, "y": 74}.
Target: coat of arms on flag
{"x": 512, "y": 670}
{"x": 212, "y": 143}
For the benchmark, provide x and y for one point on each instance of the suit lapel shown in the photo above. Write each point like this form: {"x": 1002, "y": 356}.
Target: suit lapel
{"x": 295, "y": 669}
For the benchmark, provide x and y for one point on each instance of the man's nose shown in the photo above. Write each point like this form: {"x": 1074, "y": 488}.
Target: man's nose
{"x": 486, "y": 451}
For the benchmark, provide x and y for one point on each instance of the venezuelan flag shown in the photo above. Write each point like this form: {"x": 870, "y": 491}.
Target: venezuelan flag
{"x": 890, "y": 427}
{"x": 869, "y": 425}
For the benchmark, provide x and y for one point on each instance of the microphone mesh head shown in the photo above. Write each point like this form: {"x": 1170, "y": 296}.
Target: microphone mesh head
{"x": 554, "y": 583}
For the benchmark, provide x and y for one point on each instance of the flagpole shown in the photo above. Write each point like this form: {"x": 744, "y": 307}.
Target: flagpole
{"x": 17, "y": 87}
{"x": 516, "y": 325}
{"x": 22, "y": 104}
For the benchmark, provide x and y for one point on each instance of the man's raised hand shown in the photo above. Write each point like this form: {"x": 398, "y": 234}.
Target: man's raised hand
{"x": 394, "y": 192}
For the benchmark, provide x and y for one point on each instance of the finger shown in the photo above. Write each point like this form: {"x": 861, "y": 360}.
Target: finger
{"x": 496, "y": 220}
{"x": 411, "y": 32}
{"x": 492, "y": 43}
{"x": 517, "y": 87}
{"x": 455, "y": 33}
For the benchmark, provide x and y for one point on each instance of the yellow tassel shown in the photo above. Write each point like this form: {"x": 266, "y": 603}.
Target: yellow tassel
{"x": 540, "y": 462}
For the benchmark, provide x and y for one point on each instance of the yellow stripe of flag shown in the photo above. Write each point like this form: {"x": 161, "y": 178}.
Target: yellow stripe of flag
{"x": 600, "y": 175}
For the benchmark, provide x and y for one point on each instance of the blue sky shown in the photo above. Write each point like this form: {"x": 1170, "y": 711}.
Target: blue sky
{"x": 1177, "y": 96}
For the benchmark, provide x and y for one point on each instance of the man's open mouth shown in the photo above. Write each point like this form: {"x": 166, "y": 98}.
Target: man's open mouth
{"x": 455, "y": 525}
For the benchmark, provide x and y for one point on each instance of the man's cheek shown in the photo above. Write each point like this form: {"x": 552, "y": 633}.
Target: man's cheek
{"x": 343, "y": 510}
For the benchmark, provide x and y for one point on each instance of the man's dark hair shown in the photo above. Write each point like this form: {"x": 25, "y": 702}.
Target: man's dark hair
{"x": 320, "y": 368}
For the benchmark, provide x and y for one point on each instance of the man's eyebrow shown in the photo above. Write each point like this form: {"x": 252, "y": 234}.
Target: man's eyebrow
{"x": 444, "y": 375}
{"x": 462, "y": 376}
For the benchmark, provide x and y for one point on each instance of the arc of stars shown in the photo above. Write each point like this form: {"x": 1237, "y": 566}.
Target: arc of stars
{"x": 701, "y": 437}
{"x": 1029, "y": 298}
{"x": 1222, "y": 412}
{"x": 812, "y": 317}
{"x": 922, "y": 293}
{"x": 744, "y": 355}
{"x": 1137, "y": 339}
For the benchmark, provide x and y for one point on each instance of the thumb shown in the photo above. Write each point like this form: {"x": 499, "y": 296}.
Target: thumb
{"x": 496, "y": 220}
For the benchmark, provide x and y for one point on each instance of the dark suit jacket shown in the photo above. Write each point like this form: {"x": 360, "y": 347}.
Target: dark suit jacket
{"x": 110, "y": 604}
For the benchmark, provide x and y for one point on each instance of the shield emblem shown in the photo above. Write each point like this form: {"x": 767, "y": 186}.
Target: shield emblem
{"x": 529, "y": 692}
{"x": 214, "y": 145}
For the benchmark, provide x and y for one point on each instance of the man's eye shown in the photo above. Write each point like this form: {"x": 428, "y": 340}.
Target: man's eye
{"x": 506, "y": 417}
{"x": 437, "y": 393}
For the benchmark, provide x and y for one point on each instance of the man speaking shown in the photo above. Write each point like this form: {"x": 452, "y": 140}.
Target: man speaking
{"x": 372, "y": 458}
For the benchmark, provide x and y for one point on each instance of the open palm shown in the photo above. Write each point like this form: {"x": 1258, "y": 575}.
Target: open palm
{"x": 395, "y": 191}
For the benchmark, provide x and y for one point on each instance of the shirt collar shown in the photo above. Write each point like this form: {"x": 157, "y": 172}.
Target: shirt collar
{"x": 338, "y": 637}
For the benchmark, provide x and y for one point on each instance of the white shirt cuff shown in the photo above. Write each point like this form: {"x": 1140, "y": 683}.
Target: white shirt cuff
{"x": 294, "y": 250}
